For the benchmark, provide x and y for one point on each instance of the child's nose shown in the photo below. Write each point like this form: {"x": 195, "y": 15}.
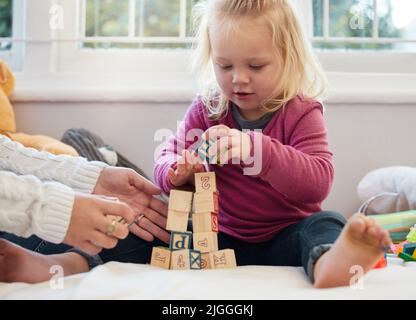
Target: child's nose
{"x": 240, "y": 77}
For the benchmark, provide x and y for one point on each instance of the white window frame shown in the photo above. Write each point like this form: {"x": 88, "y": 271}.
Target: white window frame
{"x": 71, "y": 58}
{"x": 356, "y": 61}
{"x": 14, "y": 57}
{"x": 326, "y": 38}
{"x": 147, "y": 73}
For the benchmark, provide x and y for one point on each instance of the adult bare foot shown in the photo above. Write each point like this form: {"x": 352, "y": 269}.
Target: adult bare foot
{"x": 21, "y": 265}
{"x": 361, "y": 243}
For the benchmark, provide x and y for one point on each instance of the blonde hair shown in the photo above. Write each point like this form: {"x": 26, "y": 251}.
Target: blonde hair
{"x": 301, "y": 72}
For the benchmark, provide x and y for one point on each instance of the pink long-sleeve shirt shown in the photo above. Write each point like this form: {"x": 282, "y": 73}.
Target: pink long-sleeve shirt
{"x": 295, "y": 177}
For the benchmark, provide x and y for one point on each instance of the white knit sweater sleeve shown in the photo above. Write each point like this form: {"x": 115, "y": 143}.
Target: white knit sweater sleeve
{"x": 29, "y": 206}
{"x": 75, "y": 172}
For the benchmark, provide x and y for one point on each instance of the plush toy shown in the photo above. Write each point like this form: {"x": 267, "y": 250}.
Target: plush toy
{"x": 389, "y": 196}
{"x": 387, "y": 190}
{"x": 8, "y": 124}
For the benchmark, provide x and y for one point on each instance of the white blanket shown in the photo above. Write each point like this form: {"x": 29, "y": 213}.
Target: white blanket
{"x": 132, "y": 281}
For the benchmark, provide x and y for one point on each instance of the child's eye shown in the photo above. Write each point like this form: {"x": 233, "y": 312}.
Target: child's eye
{"x": 225, "y": 67}
{"x": 256, "y": 67}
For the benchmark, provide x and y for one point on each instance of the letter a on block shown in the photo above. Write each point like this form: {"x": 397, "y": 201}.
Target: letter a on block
{"x": 206, "y": 241}
{"x": 180, "y": 260}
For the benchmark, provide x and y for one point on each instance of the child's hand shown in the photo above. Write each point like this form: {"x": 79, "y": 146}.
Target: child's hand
{"x": 187, "y": 166}
{"x": 229, "y": 144}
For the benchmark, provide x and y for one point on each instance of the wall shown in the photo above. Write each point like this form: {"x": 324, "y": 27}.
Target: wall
{"x": 362, "y": 137}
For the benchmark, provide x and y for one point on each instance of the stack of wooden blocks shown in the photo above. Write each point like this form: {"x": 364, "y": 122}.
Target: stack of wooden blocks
{"x": 205, "y": 253}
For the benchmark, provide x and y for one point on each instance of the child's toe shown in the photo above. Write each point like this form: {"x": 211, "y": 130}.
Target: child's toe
{"x": 357, "y": 226}
{"x": 373, "y": 231}
{"x": 369, "y": 222}
{"x": 385, "y": 239}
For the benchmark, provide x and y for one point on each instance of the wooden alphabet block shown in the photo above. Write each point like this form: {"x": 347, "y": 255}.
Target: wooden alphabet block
{"x": 185, "y": 260}
{"x": 177, "y": 221}
{"x": 205, "y": 181}
{"x": 161, "y": 257}
{"x": 204, "y": 222}
{"x": 222, "y": 259}
{"x": 195, "y": 259}
{"x": 206, "y": 241}
{"x": 180, "y": 260}
{"x": 205, "y": 202}
{"x": 180, "y": 240}
{"x": 180, "y": 201}
{"x": 205, "y": 261}
{"x": 202, "y": 150}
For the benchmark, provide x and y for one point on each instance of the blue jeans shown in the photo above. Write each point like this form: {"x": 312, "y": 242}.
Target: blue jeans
{"x": 300, "y": 244}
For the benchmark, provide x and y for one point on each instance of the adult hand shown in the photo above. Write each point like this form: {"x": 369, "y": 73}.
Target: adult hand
{"x": 90, "y": 220}
{"x": 129, "y": 187}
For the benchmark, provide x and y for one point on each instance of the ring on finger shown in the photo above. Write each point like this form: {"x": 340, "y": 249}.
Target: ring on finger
{"x": 111, "y": 227}
{"x": 140, "y": 217}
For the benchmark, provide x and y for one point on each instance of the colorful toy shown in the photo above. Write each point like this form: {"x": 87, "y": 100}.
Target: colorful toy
{"x": 382, "y": 263}
{"x": 406, "y": 257}
{"x": 398, "y": 224}
{"x": 412, "y": 234}
{"x": 409, "y": 248}
{"x": 406, "y": 250}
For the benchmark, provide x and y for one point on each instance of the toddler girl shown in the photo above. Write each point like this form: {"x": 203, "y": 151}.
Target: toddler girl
{"x": 258, "y": 114}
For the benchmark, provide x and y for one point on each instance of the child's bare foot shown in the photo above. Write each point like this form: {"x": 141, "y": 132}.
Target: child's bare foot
{"x": 21, "y": 265}
{"x": 361, "y": 243}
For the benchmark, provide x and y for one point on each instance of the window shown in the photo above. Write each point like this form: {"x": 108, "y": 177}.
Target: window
{"x": 337, "y": 24}
{"x": 143, "y": 43}
{"x": 337, "y": 29}
{"x": 365, "y": 24}
{"x": 5, "y": 24}
{"x": 136, "y": 24}
{"x": 11, "y": 28}
{"x": 133, "y": 36}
